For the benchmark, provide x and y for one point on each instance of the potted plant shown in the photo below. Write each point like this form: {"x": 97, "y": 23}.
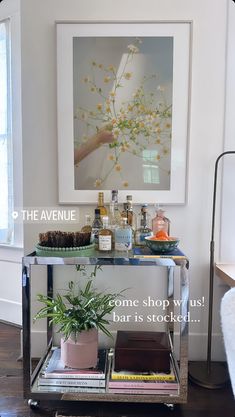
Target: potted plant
{"x": 79, "y": 314}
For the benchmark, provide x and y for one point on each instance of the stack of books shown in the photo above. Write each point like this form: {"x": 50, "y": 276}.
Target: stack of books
{"x": 146, "y": 383}
{"x": 57, "y": 377}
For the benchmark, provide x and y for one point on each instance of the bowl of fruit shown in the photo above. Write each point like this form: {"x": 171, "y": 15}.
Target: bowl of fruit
{"x": 161, "y": 242}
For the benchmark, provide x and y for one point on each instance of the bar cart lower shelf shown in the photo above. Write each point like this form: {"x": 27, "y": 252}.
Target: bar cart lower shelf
{"x": 34, "y": 393}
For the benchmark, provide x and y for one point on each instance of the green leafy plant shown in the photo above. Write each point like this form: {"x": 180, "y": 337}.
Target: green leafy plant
{"x": 78, "y": 309}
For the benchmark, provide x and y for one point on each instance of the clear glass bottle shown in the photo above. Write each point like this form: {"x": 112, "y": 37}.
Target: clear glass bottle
{"x": 123, "y": 236}
{"x": 144, "y": 226}
{"x": 160, "y": 222}
{"x": 88, "y": 225}
{"x": 103, "y": 209}
{"x": 96, "y": 226}
{"x": 124, "y": 212}
{"x": 131, "y": 217}
{"x": 105, "y": 236}
{"x": 117, "y": 218}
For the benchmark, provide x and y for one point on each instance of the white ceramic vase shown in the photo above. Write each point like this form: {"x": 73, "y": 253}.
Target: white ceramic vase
{"x": 81, "y": 352}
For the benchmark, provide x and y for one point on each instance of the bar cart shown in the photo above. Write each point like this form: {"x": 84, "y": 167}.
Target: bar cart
{"x": 170, "y": 261}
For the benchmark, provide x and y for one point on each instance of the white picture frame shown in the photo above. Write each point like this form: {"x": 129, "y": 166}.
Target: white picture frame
{"x": 180, "y": 32}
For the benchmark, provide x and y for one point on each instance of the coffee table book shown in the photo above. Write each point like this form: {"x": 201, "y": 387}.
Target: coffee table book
{"x": 55, "y": 369}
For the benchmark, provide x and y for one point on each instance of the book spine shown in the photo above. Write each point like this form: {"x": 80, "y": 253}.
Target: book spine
{"x": 64, "y": 375}
{"x": 143, "y": 377}
{"x": 62, "y": 389}
{"x": 73, "y": 382}
{"x": 143, "y": 385}
{"x": 143, "y": 391}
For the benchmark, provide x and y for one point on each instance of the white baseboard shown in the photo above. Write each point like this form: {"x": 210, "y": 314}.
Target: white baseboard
{"x": 10, "y": 311}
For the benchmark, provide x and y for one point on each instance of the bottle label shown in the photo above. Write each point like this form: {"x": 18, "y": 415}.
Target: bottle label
{"x": 105, "y": 243}
{"x": 95, "y": 235}
{"x": 123, "y": 239}
{"x": 140, "y": 237}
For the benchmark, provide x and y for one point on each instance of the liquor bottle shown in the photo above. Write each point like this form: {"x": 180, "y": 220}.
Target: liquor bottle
{"x": 105, "y": 236}
{"x": 131, "y": 217}
{"x": 88, "y": 225}
{"x": 144, "y": 226}
{"x": 96, "y": 226}
{"x": 117, "y": 218}
{"x": 124, "y": 212}
{"x": 103, "y": 210}
{"x": 160, "y": 222}
{"x": 123, "y": 236}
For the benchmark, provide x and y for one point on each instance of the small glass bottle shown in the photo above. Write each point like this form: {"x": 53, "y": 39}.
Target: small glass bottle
{"x": 116, "y": 213}
{"x": 105, "y": 236}
{"x": 103, "y": 210}
{"x": 88, "y": 226}
{"x": 131, "y": 217}
{"x": 123, "y": 236}
{"x": 124, "y": 212}
{"x": 160, "y": 222}
{"x": 144, "y": 228}
{"x": 96, "y": 226}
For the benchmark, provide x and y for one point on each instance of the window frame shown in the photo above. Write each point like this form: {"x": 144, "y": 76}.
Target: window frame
{"x": 11, "y": 11}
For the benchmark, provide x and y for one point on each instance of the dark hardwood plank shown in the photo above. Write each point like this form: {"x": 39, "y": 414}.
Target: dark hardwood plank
{"x": 201, "y": 402}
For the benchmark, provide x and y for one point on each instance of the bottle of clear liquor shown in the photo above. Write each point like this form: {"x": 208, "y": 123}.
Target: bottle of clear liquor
{"x": 103, "y": 209}
{"x": 131, "y": 217}
{"x": 116, "y": 214}
{"x": 96, "y": 226}
{"x": 144, "y": 226}
{"x": 105, "y": 236}
{"x": 123, "y": 236}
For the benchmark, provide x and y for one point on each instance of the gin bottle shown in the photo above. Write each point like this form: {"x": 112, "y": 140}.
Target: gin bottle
{"x": 123, "y": 236}
{"x": 144, "y": 229}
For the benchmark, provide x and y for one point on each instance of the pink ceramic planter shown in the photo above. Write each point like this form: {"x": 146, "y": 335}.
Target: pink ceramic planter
{"x": 81, "y": 353}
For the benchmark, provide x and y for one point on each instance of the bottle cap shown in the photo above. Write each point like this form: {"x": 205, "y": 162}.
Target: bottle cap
{"x": 97, "y": 211}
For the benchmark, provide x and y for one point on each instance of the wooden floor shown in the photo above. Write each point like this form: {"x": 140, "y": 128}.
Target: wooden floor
{"x": 201, "y": 402}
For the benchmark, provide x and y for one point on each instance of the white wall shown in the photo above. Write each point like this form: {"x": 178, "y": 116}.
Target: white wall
{"x": 190, "y": 222}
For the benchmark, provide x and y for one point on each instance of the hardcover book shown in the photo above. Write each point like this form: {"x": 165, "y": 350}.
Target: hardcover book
{"x": 144, "y": 391}
{"x": 55, "y": 369}
{"x": 125, "y": 376}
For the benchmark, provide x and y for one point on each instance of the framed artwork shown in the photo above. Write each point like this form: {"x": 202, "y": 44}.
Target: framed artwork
{"x": 123, "y": 105}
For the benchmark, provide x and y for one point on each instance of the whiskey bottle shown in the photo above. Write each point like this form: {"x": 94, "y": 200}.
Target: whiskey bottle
{"x": 100, "y": 206}
{"x": 105, "y": 236}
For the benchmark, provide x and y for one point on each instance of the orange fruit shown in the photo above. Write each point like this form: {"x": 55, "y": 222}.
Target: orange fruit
{"x": 162, "y": 235}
